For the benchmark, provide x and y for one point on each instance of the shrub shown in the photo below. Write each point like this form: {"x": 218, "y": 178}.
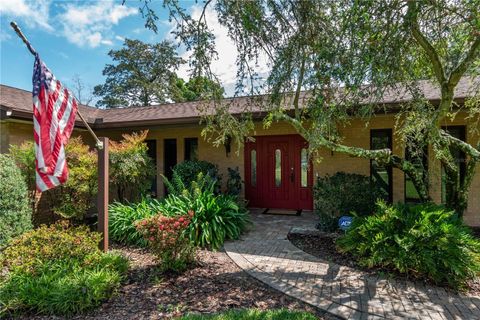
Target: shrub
{"x": 122, "y": 219}
{"x": 342, "y": 194}
{"x": 188, "y": 172}
{"x": 57, "y": 270}
{"x": 422, "y": 241}
{"x": 167, "y": 238}
{"x": 217, "y": 217}
{"x": 15, "y": 212}
{"x": 74, "y": 198}
{"x": 234, "y": 182}
{"x": 131, "y": 169}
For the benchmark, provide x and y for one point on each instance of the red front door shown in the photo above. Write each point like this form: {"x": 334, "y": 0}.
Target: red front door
{"x": 278, "y": 173}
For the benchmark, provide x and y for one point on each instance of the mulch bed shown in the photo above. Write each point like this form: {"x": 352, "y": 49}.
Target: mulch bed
{"x": 322, "y": 245}
{"x": 214, "y": 284}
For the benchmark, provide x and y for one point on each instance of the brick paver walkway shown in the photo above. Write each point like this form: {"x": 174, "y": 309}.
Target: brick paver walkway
{"x": 266, "y": 254}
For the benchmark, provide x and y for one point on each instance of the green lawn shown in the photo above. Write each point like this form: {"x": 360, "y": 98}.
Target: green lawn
{"x": 253, "y": 314}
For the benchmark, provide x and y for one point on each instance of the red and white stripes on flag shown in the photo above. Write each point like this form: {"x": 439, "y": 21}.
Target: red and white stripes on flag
{"x": 54, "y": 109}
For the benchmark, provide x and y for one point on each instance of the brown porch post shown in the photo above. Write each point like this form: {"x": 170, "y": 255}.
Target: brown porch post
{"x": 103, "y": 193}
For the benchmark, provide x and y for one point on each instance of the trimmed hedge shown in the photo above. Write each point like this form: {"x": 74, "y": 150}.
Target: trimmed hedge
{"x": 15, "y": 211}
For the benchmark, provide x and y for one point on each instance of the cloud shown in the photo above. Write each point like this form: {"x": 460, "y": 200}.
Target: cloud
{"x": 224, "y": 66}
{"x": 90, "y": 25}
{"x": 33, "y": 13}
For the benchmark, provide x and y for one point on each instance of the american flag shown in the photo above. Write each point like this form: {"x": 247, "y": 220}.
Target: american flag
{"x": 54, "y": 109}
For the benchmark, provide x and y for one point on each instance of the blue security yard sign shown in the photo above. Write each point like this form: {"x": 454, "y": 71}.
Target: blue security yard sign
{"x": 345, "y": 222}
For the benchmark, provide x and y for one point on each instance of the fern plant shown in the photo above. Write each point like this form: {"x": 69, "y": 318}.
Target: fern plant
{"x": 217, "y": 217}
{"x": 424, "y": 241}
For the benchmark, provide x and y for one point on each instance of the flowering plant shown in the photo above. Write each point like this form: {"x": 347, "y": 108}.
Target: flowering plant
{"x": 168, "y": 240}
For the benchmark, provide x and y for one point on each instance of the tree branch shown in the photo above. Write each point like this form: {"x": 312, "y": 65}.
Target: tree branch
{"x": 462, "y": 145}
{"x": 382, "y": 156}
{"x": 459, "y": 71}
{"x": 430, "y": 51}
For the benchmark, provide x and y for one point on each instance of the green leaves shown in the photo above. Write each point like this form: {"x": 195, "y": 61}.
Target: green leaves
{"x": 15, "y": 210}
{"x": 57, "y": 270}
{"x": 217, "y": 218}
{"x": 122, "y": 219}
{"x": 142, "y": 75}
{"x": 424, "y": 241}
{"x": 342, "y": 194}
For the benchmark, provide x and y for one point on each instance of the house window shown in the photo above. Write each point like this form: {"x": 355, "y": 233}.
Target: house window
{"x": 253, "y": 168}
{"x": 191, "y": 149}
{"x": 458, "y": 132}
{"x": 419, "y": 158}
{"x": 278, "y": 167}
{"x": 381, "y": 175}
{"x": 304, "y": 168}
{"x": 152, "y": 153}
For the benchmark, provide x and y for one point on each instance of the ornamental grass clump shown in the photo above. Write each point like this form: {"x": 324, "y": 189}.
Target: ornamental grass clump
{"x": 422, "y": 241}
{"x": 167, "y": 237}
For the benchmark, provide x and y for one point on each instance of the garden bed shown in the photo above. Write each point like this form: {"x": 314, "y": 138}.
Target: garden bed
{"x": 322, "y": 245}
{"x": 215, "y": 284}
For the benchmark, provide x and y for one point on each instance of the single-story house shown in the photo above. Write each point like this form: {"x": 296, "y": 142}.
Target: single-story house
{"x": 275, "y": 168}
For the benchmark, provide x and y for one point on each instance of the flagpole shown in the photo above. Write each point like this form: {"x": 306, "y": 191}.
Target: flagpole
{"x": 98, "y": 143}
{"x": 103, "y": 159}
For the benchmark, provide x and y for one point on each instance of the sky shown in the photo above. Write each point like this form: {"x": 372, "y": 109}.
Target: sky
{"x": 74, "y": 37}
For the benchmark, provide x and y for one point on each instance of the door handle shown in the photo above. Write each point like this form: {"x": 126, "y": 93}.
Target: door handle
{"x": 292, "y": 175}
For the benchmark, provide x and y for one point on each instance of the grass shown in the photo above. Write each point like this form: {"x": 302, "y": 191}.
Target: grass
{"x": 254, "y": 314}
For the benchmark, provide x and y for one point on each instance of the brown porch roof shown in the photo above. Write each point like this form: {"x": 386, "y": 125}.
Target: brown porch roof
{"x": 19, "y": 102}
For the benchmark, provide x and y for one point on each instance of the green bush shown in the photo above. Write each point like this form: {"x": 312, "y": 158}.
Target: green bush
{"x": 217, "y": 217}
{"x": 341, "y": 194}
{"x": 73, "y": 199}
{"x": 15, "y": 211}
{"x": 188, "y": 172}
{"x": 57, "y": 270}
{"x": 167, "y": 237}
{"x": 424, "y": 241}
{"x": 234, "y": 182}
{"x": 122, "y": 219}
{"x": 131, "y": 169}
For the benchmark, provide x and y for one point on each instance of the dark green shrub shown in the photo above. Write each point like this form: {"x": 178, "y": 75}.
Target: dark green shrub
{"x": 57, "y": 270}
{"x": 122, "y": 219}
{"x": 341, "y": 194}
{"x": 422, "y": 241}
{"x": 15, "y": 211}
{"x": 217, "y": 217}
{"x": 188, "y": 171}
{"x": 234, "y": 182}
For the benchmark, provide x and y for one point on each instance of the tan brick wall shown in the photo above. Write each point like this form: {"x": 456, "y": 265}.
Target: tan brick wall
{"x": 356, "y": 134}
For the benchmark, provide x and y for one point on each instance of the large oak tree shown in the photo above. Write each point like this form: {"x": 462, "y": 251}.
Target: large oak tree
{"x": 347, "y": 55}
{"x": 142, "y": 75}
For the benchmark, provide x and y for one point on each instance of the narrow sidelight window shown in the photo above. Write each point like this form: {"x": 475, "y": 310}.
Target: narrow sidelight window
{"x": 191, "y": 149}
{"x": 152, "y": 153}
{"x": 381, "y": 175}
{"x": 253, "y": 168}
{"x": 278, "y": 167}
{"x": 169, "y": 158}
{"x": 419, "y": 158}
{"x": 304, "y": 168}
{"x": 458, "y": 132}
